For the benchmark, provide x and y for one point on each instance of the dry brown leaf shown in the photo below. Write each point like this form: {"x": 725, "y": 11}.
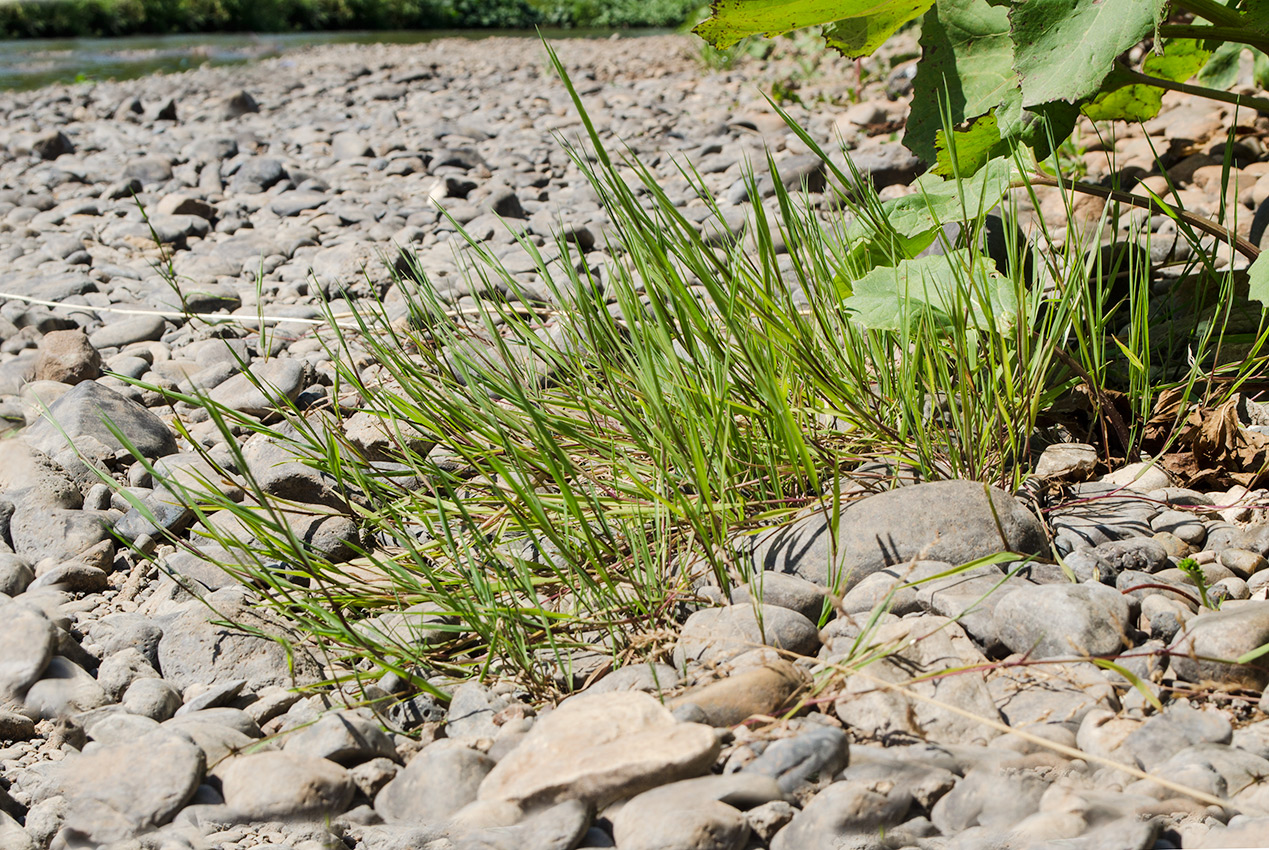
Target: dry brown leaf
{"x": 1213, "y": 449}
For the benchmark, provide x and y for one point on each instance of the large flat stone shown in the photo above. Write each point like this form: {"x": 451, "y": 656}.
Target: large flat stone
{"x": 118, "y": 791}
{"x": 85, "y": 410}
{"x": 950, "y": 521}
{"x": 194, "y": 650}
{"x": 598, "y": 749}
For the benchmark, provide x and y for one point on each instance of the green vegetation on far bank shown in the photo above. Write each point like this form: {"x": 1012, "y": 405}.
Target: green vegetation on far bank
{"x": 74, "y": 18}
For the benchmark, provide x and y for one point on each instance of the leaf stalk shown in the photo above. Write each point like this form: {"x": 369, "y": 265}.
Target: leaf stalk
{"x": 1241, "y": 244}
{"x": 1213, "y": 11}
{"x": 1238, "y": 35}
{"x": 1132, "y": 77}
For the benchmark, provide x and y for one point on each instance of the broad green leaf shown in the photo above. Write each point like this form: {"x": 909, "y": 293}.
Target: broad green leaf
{"x": 939, "y": 201}
{"x": 969, "y": 149}
{"x": 1181, "y": 59}
{"x": 944, "y": 288}
{"x": 1259, "y": 68}
{"x": 1258, "y": 280}
{"x": 1036, "y": 125}
{"x": 1127, "y": 101}
{"x": 1065, "y": 48}
{"x": 870, "y": 250}
{"x": 858, "y": 27}
{"x": 861, "y": 35}
{"x": 914, "y": 220}
{"x": 1221, "y": 71}
{"x": 966, "y": 65}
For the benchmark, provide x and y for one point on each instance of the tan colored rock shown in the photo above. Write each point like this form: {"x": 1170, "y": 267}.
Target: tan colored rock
{"x": 67, "y": 357}
{"x": 1205, "y": 650}
{"x": 1069, "y": 461}
{"x": 708, "y": 825}
{"x": 1209, "y": 178}
{"x": 116, "y": 791}
{"x": 274, "y": 784}
{"x": 600, "y": 748}
{"x": 1142, "y": 477}
{"x": 921, "y": 647}
{"x": 695, "y": 814}
{"x": 179, "y": 203}
{"x": 729, "y": 701}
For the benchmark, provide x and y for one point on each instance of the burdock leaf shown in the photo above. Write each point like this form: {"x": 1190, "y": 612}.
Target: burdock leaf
{"x": 916, "y": 216}
{"x": 1258, "y": 280}
{"x": 855, "y": 27}
{"x": 946, "y": 289}
{"x": 1221, "y": 70}
{"x": 1125, "y": 100}
{"x": 1065, "y": 48}
{"x": 966, "y": 67}
{"x": 970, "y": 149}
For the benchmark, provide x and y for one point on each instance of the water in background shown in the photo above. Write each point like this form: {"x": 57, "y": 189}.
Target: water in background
{"x": 31, "y": 63}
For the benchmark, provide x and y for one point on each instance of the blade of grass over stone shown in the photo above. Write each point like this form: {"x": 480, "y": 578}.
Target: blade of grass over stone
{"x": 1069, "y": 752}
{"x": 1133, "y": 679}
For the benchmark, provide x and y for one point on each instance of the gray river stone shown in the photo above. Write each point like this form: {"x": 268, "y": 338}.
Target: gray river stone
{"x": 600, "y": 748}
{"x": 843, "y": 811}
{"x": 804, "y": 758}
{"x": 57, "y": 533}
{"x": 27, "y": 641}
{"x": 1052, "y": 621}
{"x": 121, "y": 669}
{"x": 262, "y": 388}
{"x": 15, "y": 572}
{"x": 65, "y": 688}
{"x": 152, "y": 698}
{"x": 434, "y": 785}
{"x": 1137, "y": 553}
{"x": 1178, "y": 727}
{"x": 116, "y": 632}
{"x": 269, "y": 785}
{"x": 83, "y": 412}
{"x": 128, "y": 330}
{"x": 940, "y": 520}
{"x": 195, "y": 651}
{"x": 784, "y": 591}
{"x": 922, "y": 646}
{"x": 1209, "y": 643}
{"x": 559, "y": 827}
{"x": 117, "y": 791}
{"x": 344, "y": 737}
{"x": 703, "y": 825}
{"x": 700, "y": 813}
{"x": 30, "y": 478}
{"x": 714, "y": 635}
{"x": 989, "y": 798}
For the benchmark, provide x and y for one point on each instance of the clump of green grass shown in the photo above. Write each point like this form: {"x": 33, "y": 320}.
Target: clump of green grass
{"x": 554, "y": 478}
